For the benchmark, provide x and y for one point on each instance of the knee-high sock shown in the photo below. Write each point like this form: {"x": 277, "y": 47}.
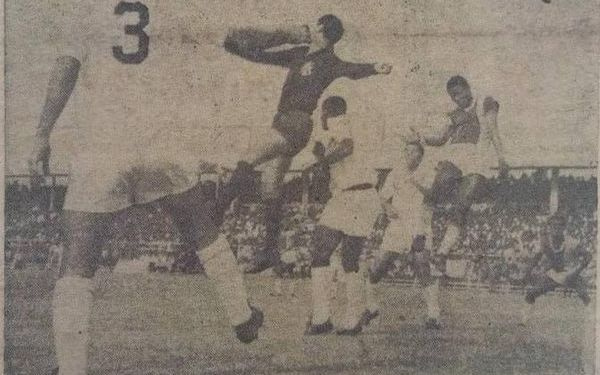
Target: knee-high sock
{"x": 452, "y": 235}
{"x": 589, "y": 341}
{"x": 332, "y": 285}
{"x": 71, "y": 305}
{"x": 355, "y": 298}
{"x": 320, "y": 281}
{"x": 371, "y": 301}
{"x": 222, "y": 268}
{"x": 273, "y": 216}
{"x": 432, "y": 299}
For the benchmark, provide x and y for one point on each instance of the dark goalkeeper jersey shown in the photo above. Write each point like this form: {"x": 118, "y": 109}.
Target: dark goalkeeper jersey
{"x": 309, "y": 73}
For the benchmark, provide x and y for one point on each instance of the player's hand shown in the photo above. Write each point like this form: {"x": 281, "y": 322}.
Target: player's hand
{"x": 382, "y": 68}
{"x": 40, "y": 156}
{"x": 490, "y": 105}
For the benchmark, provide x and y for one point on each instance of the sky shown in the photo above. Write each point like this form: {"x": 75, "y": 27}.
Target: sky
{"x": 540, "y": 61}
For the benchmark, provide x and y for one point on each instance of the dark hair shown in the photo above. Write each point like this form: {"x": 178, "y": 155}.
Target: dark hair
{"x": 332, "y": 28}
{"x": 334, "y": 106}
{"x": 456, "y": 81}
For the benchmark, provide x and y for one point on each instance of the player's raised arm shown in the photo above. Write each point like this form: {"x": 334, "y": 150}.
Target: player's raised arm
{"x": 253, "y": 44}
{"x": 490, "y": 114}
{"x": 63, "y": 77}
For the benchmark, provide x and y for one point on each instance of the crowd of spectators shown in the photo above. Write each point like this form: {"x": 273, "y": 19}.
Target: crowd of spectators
{"x": 497, "y": 247}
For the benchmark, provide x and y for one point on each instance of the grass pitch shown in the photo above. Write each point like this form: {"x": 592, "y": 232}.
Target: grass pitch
{"x": 172, "y": 324}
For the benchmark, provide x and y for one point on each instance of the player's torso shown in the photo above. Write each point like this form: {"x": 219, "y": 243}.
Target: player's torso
{"x": 356, "y": 168}
{"x": 467, "y": 127}
{"x": 307, "y": 78}
{"x": 146, "y": 72}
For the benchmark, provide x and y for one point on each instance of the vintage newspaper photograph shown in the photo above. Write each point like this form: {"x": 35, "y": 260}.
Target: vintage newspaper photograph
{"x": 300, "y": 186}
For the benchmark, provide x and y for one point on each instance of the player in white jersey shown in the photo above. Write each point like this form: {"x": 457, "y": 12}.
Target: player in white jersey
{"x": 136, "y": 101}
{"x": 408, "y": 236}
{"x": 346, "y": 221}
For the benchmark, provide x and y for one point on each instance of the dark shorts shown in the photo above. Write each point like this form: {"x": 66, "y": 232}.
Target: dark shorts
{"x": 296, "y": 127}
{"x": 460, "y": 191}
{"x": 192, "y": 211}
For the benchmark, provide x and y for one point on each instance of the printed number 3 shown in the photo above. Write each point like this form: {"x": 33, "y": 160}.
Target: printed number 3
{"x": 137, "y": 30}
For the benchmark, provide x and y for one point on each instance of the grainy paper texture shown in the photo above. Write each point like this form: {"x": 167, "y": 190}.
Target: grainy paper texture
{"x": 203, "y": 187}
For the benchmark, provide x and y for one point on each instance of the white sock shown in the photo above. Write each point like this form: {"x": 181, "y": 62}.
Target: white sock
{"x": 371, "y": 302}
{"x": 334, "y": 280}
{"x": 355, "y": 298}
{"x": 222, "y": 268}
{"x": 432, "y": 299}
{"x": 320, "y": 281}
{"x": 71, "y": 306}
{"x": 452, "y": 235}
{"x": 589, "y": 340}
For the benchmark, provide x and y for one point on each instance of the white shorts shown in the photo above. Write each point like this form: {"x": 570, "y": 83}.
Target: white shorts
{"x": 410, "y": 222}
{"x": 107, "y": 182}
{"x": 469, "y": 158}
{"x": 353, "y": 212}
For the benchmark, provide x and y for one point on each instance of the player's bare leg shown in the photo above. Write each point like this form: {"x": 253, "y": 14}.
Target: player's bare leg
{"x": 85, "y": 233}
{"x": 372, "y": 304}
{"x": 191, "y": 213}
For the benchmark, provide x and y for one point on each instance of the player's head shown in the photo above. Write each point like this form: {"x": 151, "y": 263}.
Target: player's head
{"x": 460, "y": 92}
{"x": 327, "y": 31}
{"x": 413, "y": 153}
{"x": 333, "y": 106}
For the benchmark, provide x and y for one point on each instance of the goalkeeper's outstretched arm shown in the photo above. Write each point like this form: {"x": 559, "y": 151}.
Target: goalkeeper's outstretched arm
{"x": 254, "y": 44}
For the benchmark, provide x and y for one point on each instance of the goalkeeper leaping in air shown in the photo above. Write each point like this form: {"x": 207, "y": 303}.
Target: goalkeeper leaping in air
{"x": 313, "y": 66}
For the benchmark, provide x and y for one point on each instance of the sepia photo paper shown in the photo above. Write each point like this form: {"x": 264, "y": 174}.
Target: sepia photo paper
{"x": 300, "y": 187}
